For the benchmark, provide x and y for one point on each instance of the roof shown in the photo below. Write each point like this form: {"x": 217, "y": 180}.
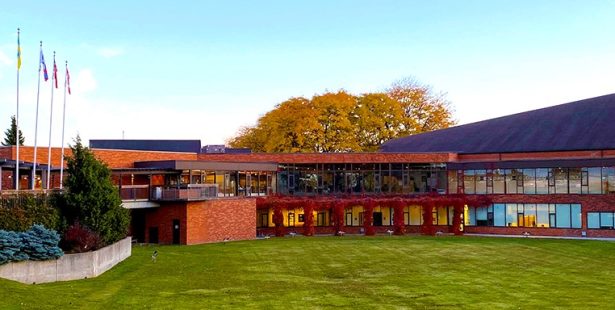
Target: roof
{"x": 587, "y": 124}
{"x": 190, "y": 146}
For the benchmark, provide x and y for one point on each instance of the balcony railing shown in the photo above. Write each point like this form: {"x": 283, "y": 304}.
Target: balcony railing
{"x": 193, "y": 192}
{"x": 134, "y": 192}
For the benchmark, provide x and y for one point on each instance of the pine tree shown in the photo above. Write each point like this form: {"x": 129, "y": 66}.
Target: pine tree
{"x": 10, "y": 135}
{"x": 91, "y": 197}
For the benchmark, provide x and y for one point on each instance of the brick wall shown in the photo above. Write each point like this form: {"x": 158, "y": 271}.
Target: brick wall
{"x": 215, "y": 220}
{"x": 204, "y": 221}
{"x": 162, "y": 217}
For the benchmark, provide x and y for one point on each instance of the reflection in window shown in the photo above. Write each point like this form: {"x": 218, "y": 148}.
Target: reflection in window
{"x": 574, "y": 180}
{"x": 481, "y": 181}
{"x": 468, "y": 182}
{"x": 594, "y": 181}
{"x": 529, "y": 181}
{"x": 560, "y": 176}
{"x": 499, "y": 215}
{"x": 498, "y": 181}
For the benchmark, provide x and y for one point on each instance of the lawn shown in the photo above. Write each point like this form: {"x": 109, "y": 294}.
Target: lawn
{"x": 349, "y": 272}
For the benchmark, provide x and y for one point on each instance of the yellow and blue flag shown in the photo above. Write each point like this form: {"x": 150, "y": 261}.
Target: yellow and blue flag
{"x": 18, "y": 52}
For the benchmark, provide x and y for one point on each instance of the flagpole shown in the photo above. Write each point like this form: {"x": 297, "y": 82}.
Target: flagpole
{"x": 38, "y": 92}
{"x": 53, "y": 78}
{"x": 63, "y": 122}
{"x": 17, "y": 115}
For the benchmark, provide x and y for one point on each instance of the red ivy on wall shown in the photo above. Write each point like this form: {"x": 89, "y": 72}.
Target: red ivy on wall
{"x": 337, "y": 206}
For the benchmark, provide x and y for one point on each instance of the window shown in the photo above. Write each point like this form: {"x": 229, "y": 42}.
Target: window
{"x": 511, "y": 215}
{"x": 468, "y": 182}
{"x": 514, "y": 179}
{"x": 594, "y": 181}
{"x": 561, "y": 180}
{"x": 575, "y": 176}
{"x": 529, "y": 215}
{"x": 542, "y": 215}
{"x": 452, "y": 182}
{"x": 601, "y": 220}
{"x": 481, "y": 181}
{"x": 562, "y": 215}
{"x": 498, "y": 181}
{"x": 608, "y": 180}
{"x": 542, "y": 185}
{"x": 415, "y": 215}
{"x": 499, "y": 215}
{"x": 529, "y": 181}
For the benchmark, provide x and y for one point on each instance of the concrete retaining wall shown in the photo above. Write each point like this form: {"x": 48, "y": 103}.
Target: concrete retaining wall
{"x": 69, "y": 266}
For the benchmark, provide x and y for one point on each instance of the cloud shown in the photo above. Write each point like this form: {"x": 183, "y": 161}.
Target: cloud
{"x": 84, "y": 82}
{"x": 110, "y": 52}
{"x": 4, "y": 59}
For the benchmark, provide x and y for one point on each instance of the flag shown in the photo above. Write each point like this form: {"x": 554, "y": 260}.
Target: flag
{"x": 43, "y": 66}
{"x": 55, "y": 72}
{"x": 18, "y": 52}
{"x": 67, "y": 80}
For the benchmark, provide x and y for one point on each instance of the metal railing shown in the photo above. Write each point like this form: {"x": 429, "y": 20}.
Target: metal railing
{"x": 193, "y": 192}
{"x": 134, "y": 192}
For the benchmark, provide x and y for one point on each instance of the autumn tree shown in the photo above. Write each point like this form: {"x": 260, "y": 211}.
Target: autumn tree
{"x": 342, "y": 122}
{"x": 379, "y": 118}
{"x": 10, "y": 135}
{"x": 424, "y": 110}
{"x": 336, "y": 122}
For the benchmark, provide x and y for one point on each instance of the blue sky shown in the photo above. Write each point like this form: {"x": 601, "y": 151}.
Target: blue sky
{"x": 202, "y": 69}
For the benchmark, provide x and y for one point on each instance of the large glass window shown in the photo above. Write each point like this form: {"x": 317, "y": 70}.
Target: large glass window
{"x": 608, "y": 179}
{"x": 499, "y": 215}
{"x": 594, "y": 181}
{"x": 481, "y": 181}
{"x": 482, "y": 216}
{"x": 562, "y": 215}
{"x": 511, "y": 215}
{"x": 542, "y": 185}
{"x": 574, "y": 180}
{"x": 561, "y": 180}
{"x": 601, "y": 220}
{"x": 452, "y": 182}
{"x": 498, "y": 181}
{"x": 575, "y": 215}
{"x": 514, "y": 181}
{"x": 468, "y": 182}
{"x": 529, "y": 215}
{"x": 529, "y": 181}
{"x": 542, "y": 215}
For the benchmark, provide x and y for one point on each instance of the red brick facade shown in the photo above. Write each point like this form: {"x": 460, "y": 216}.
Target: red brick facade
{"x": 204, "y": 221}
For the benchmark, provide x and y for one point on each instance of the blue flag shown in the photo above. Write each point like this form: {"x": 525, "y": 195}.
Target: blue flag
{"x": 43, "y": 66}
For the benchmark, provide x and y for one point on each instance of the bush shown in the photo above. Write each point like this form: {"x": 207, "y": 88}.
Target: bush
{"x": 79, "y": 239}
{"x": 38, "y": 243}
{"x": 20, "y": 212}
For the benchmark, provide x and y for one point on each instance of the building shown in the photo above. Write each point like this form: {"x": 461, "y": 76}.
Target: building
{"x": 547, "y": 172}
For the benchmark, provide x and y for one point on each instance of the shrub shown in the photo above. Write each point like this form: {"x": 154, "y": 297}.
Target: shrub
{"x": 20, "y": 212}
{"x": 79, "y": 239}
{"x": 38, "y": 243}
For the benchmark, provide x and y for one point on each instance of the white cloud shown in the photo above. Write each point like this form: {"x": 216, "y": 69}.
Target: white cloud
{"x": 110, "y": 52}
{"x": 83, "y": 82}
{"x": 4, "y": 59}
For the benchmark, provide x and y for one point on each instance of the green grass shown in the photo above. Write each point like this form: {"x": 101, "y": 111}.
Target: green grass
{"x": 348, "y": 272}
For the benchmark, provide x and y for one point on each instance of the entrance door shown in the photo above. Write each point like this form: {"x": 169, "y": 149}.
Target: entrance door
{"x": 377, "y": 218}
{"x": 264, "y": 219}
{"x": 175, "y": 231}
{"x": 291, "y": 219}
{"x": 153, "y": 235}
{"x": 348, "y": 219}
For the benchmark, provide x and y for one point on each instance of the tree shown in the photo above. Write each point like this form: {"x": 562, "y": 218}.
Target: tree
{"x": 379, "y": 119}
{"x": 10, "y": 135}
{"x": 91, "y": 197}
{"x": 424, "y": 110}
{"x": 341, "y": 122}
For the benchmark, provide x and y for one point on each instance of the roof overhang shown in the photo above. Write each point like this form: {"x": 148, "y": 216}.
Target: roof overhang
{"x": 206, "y": 165}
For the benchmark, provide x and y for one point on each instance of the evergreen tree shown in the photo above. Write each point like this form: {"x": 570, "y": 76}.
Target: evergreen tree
{"x": 91, "y": 197}
{"x": 10, "y": 135}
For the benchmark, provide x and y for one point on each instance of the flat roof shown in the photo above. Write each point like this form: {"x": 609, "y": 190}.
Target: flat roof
{"x": 207, "y": 165}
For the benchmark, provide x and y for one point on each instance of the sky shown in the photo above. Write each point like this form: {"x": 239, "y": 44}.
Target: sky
{"x": 202, "y": 69}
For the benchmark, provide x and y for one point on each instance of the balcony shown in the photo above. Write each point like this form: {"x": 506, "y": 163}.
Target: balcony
{"x": 134, "y": 192}
{"x": 192, "y": 192}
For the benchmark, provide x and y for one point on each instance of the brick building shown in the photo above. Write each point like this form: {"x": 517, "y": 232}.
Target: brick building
{"x": 548, "y": 172}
